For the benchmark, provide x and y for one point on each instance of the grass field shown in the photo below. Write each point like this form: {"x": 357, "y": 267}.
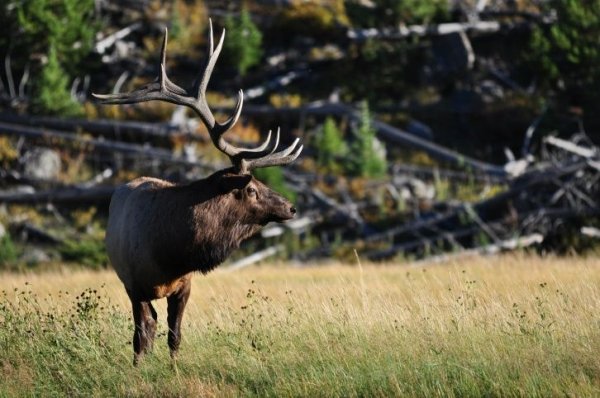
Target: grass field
{"x": 503, "y": 326}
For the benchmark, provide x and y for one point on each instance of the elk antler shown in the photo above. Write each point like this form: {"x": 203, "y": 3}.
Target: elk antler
{"x": 163, "y": 89}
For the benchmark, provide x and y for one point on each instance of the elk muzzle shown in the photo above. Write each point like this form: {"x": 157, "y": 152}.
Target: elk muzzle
{"x": 280, "y": 209}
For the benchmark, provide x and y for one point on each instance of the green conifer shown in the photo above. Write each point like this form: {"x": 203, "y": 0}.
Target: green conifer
{"x": 53, "y": 96}
{"x": 330, "y": 146}
{"x": 367, "y": 156}
{"x": 244, "y": 41}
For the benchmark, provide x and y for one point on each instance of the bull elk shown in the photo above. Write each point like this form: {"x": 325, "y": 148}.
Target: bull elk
{"x": 160, "y": 233}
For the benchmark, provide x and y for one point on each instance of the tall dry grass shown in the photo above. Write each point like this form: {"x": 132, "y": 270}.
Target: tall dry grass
{"x": 512, "y": 325}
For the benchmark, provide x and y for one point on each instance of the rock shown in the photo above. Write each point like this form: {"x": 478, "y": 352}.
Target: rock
{"x": 34, "y": 256}
{"x": 41, "y": 164}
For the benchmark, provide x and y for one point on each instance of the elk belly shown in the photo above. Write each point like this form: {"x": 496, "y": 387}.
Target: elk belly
{"x": 168, "y": 288}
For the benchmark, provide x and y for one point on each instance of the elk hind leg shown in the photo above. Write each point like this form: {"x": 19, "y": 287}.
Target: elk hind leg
{"x": 144, "y": 319}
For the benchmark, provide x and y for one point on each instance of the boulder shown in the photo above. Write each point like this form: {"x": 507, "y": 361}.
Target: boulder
{"x": 41, "y": 164}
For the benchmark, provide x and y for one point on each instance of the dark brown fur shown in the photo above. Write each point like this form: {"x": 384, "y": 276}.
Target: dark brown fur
{"x": 159, "y": 233}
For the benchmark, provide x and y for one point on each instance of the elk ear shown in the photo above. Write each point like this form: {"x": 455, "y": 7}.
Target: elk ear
{"x": 233, "y": 182}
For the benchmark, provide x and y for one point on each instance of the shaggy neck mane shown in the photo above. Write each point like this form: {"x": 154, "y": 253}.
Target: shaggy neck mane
{"x": 217, "y": 233}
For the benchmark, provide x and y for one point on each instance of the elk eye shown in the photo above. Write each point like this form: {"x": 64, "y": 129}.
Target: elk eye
{"x": 251, "y": 191}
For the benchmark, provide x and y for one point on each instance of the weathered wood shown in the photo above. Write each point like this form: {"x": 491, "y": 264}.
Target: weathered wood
{"x": 106, "y": 42}
{"x": 255, "y": 257}
{"x": 470, "y": 231}
{"x": 31, "y": 233}
{"x": 59, "y": 137}
{"x": 592, "y": 232}
{"x": 571, "y": 147}
{"x": 72, "y": 196}
{"x": 107, "y": 127}
{"x": 388, "y": 134}
{"x": 507, "y": 245}
{"x": 402, "y": 32}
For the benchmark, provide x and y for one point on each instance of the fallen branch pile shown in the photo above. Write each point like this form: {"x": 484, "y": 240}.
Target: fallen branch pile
{"x": 542, "y": 195}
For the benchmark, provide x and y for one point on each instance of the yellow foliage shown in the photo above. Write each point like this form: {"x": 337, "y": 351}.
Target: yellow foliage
{"x": 285, "y": 100}
{"x": 313, "y": 17}
{"x": 358, "y": 187}
{"x": 187, "y": 21}
{"x": 193, "y": 21}
{"x": 125, "y": 175}
{"x": 21, "y": 213}
{"x": 246, "y": 132}
{"x": 76, "y": 169}
{"x": 420, "y": 158}
{"x": 83, "y": 218}
{"x": 326, "y": 12}
{"x": 90, "y": 110}
{"x": 8, "y": 153}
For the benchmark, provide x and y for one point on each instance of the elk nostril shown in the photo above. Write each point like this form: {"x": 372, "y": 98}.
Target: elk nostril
{"x": 293, "y": 210}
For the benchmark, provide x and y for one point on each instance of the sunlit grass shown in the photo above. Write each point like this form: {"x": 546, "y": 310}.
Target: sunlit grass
{"x": 486, "y": 326}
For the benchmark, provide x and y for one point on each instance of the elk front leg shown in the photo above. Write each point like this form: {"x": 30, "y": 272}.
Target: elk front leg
{"x": 144, "y": 319}
{"x": 176, "y": 304}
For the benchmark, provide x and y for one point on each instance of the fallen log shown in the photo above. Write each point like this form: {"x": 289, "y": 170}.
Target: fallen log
{"x": 59, "y": 137}
{"x": 32, "y": 234}
{"x": 586, "y": 153}
{"x": 460, "y": 233}
{"x": 106, "y": 42}
{"x": 73, "y": 196}
{"x": 388, "y": 134}
{"x": 255, "y": 257}
{"x": 106, "y": 127}
{"x": 592, "y": 232}
{"x": 507, "y": 245}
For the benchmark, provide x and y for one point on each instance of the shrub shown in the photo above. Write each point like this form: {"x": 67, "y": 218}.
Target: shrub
{"x": 386, "y": 13}
{"x": 566, "y": 54}
{"x": 88, "y": 252}
{"x": 8, "y": 251}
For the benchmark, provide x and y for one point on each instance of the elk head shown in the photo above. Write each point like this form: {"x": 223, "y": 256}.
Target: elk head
{"x": 236, "y": 180}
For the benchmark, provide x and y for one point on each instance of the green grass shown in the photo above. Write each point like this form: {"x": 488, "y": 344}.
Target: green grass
{"x": 510, "y": 326}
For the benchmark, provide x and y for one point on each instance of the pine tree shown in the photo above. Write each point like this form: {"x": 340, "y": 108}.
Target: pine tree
{"x": 367, "y": 155}
{"x": 330, "y": 146}
{"x": 67, "y": 25}
{"x": 244, "y": 41}
{"x": 62, "y": 30}
{"x": 53, "y": 96}
{"x": 566, "y": 54}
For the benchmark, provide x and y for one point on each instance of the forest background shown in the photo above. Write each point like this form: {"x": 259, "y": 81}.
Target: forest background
{"x": 330, "y": 72}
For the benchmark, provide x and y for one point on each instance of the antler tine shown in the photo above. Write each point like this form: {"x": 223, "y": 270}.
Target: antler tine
{"x": 211, "y": 39}
{"x": 213, "y": 55}
{"x": 163, "y": 89}
{"x": 163, "y": 62}
{"x": 216, "y": 129}
{"x": 286, "y": 156}
{"x": 262, "y": 147}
